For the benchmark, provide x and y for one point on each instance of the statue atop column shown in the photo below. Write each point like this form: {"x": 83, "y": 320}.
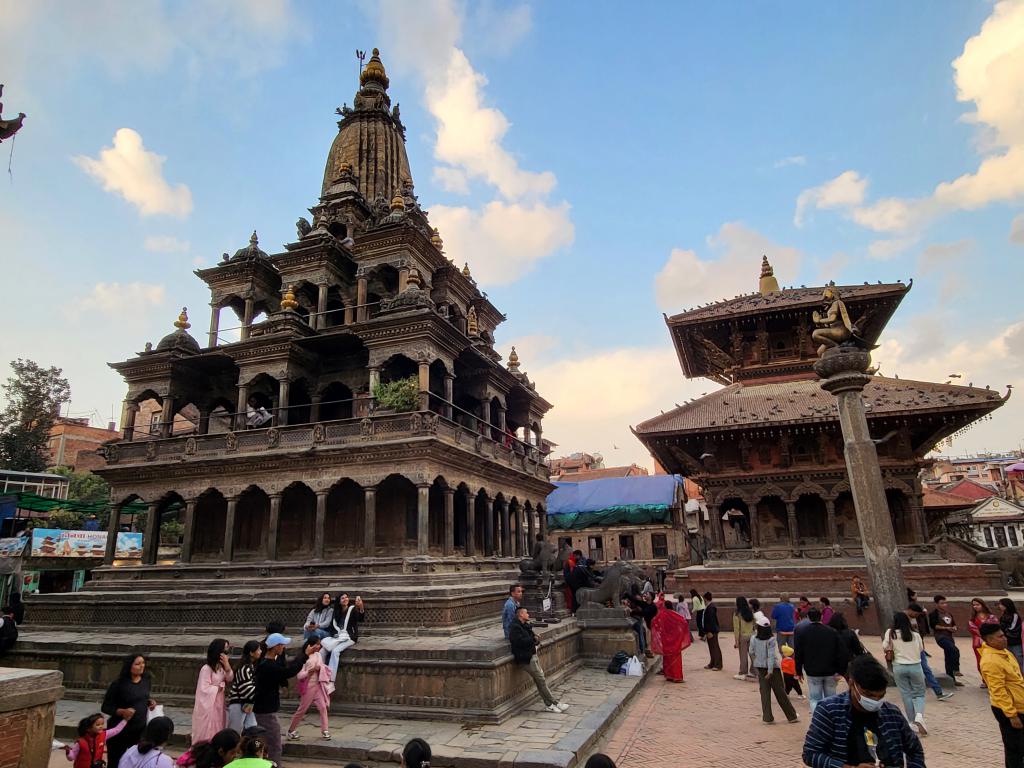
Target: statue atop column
{"x": 833, "y": 326}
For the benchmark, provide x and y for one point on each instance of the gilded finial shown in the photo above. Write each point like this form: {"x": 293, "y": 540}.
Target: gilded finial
{"x": 435, "y": 240}
{"x": 397, "y": 202}
{"x": 513, "y": 361}
{"x": 374, "y": 71}
{"x": 465, "y": 270}
{"x": 472, "y": 327}
{"x": 413, "y": 280}
{"x": 288, "y": 303}
{"x": 254, "y": 241}
{"x": 768, "y": 283}
{"x": 182, "y": 323}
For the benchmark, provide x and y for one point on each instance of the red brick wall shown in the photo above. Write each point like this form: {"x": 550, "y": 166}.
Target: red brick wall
{"x": 12, "y": 735}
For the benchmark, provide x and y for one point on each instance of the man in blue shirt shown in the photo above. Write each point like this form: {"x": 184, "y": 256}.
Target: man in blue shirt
{"x": 857, "y": 728}
{"x": 508, "y": 613}
{"x": 784, "y": 620}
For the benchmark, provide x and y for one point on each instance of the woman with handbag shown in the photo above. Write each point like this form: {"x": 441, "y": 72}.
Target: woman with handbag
{"x": 902, "y": 646}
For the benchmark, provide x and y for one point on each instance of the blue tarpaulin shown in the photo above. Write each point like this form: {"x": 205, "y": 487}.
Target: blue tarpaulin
{"x": 637, "y": 500}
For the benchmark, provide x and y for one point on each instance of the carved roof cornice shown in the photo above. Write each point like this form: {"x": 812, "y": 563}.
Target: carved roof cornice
{"x": 236, "y": 272}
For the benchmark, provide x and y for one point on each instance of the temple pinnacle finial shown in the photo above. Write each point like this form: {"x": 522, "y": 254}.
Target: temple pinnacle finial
{"x": 253, "y": 240}
{"x": 768, "y": 282}
{"x": 374, "y": 72}
{"x": 513, "y": 361}
{"x": 397, "y": 202}
{"x": 182, "y": 323}
{"x": 288, "y": 302}
{"x": 465, "y": 270}
{"x": 436, "y": 241}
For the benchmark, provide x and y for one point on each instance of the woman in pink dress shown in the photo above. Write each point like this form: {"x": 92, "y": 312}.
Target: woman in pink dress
{"x": 210, "y": 714}
{"x": 980, "y": 614}
{"x": 670, "y": 636}
{"x": 316, "y": 688}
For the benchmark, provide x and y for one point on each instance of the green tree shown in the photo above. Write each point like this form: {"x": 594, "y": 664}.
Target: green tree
{"x": 84, "y": 486}
{"x": 64, "y": 520}
{"x": 400, "y": 395}
{"x": 34, "y": 397}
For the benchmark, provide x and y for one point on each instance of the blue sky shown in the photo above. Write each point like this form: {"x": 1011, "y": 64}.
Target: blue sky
{"x": 594, "y": 168}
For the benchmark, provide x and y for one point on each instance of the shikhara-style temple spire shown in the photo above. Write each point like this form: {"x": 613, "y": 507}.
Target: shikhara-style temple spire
{"x": 768, "y": 282}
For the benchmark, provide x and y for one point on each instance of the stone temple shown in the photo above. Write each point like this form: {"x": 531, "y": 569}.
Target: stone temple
{"x": 423, "y": 506}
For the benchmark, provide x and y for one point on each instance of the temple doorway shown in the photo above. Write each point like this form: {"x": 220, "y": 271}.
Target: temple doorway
{"x": 396, "y": 515}
{"x": 812, "y": 519}
{"x": 297, "y": 522}
{"x": 774, "y": 522}
{"x": 252, "y": 525}
{"x": 735, "y": 516}
{"x": 345, "y": 520}
{"x": 210, "y": 520}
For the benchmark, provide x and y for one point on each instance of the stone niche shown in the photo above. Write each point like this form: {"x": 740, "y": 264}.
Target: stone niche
{"x": 28, "y": 700}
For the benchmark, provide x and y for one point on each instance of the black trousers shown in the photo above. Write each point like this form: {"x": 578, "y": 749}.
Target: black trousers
{"x": 716, "y": 651}
{"x": 1013, "y": 740}
{"x": 792, "y": 684}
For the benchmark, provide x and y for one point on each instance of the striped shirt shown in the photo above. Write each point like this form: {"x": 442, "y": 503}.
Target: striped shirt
{"x": 243, "y": 688}
{"x": 825, "y": 743}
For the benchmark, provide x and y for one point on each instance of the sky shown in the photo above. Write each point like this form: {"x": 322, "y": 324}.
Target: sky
{"x": 597, "y": 165}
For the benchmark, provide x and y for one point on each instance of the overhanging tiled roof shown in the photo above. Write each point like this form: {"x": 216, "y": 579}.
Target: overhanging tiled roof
{"x": 786, "y": 402}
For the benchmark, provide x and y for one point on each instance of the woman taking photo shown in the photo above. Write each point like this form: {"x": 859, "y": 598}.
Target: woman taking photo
{"x": 127, "y": 698}
{"x": 209, "y": 715}
{"x": 742, "y": 631}
{"x": 903, "y": 646}
{"x": 1009, "y": 620}
{"x": 318, "y": 620}
{"x": 980, "y": 614}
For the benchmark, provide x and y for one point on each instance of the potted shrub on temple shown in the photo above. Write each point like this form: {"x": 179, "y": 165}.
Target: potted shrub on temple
{"x": 399, "y": 396}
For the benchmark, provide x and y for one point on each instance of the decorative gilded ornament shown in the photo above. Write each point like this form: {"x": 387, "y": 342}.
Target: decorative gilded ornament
{"x": 182, "y": 323}
{"x": 288, "y": 303}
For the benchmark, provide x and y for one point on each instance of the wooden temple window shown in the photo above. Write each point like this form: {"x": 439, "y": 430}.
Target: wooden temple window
{"x": 595, "y": 544}
{"x": 626, "y": 547}
{"x": 659, "y": 545}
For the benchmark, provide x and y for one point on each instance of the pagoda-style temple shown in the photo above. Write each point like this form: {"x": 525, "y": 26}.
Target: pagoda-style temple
{"x": 767, "y": 448}
{"x": 360, "y": 432}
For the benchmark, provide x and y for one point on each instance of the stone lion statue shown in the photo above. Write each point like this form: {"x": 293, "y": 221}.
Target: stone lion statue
{"x": 544, "y": 560}
{"x": 619, "y": 578}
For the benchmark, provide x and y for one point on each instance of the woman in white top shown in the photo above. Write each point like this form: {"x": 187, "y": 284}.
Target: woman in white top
{"x": 149, "y": 752}
{"x": 903, "y": 646}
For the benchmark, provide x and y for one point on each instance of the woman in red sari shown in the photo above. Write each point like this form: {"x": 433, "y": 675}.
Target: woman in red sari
{"x": 670, "y": 636}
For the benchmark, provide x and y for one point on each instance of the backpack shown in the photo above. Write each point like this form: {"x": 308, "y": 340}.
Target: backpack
{"x": 617, "y": 662}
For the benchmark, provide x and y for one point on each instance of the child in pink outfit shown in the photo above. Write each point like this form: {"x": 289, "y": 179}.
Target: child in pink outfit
{"x": 315, "y": 675}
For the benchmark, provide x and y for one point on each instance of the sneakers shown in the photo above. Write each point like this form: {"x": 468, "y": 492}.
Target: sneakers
{"x": 293, "y": 735}
{"x": 801, "y": 696}
{"x": 919, "y": 724}
{"x": 562, "y": 706}
{"x": 795, "y": 719}
{"x": 957, "y": 683}
{"x": 326, "y": 735}
{"x": 553, "y": 708}
{"x": 739, "y": 677}
{"x": 945, "y": 696}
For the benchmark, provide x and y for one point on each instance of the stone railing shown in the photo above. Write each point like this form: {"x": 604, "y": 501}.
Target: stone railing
{"x": 908, "y": 552}
{"x": 300, "y": 437}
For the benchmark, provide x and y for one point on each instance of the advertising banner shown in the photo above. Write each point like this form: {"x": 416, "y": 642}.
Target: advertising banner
{"x": 13, "y": 547}
{"x": 129, "y": 546}
{"x": 50, "y": 542}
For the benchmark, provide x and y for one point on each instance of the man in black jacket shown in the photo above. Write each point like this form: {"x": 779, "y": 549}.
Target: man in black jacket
{"x": 820, "y": 652}
{"x": 709, "y": 623}
{"x": 524, "y": 650}
{"x": 269, "y": 677}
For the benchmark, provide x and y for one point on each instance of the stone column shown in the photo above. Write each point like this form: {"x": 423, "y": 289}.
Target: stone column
{"x": 360, "y": 299}
{"x": 275, "y": 524}
{"x": 842, "y": 372}
{"x": 129, "y": 412}
{"x": 321, "y": 520}
{"x": 505, "y": 524}
{"x": 204, "y": 421}
{"x": 229, "y": 530}
{"x": 403, "y": 279}
{"x": 833, "y": 531}
{"x": 488, "y": 543}
{"x": 167, "y": 417}
{"x": 243, "y": 401}
{"x": 370, "y": 522}
{"x": 374, "y": 381}
{"x": 424, "y": 375}
{"x": 423, "y": 519}
{"x": 501, "y": 419}
{"x": 283, "y": 388}
{"x": 755, "y": 525}
{"x": 717, "y": 535}
{"x": 350, "y": 315}
{"x": 531, "y": 532}
{"x": 186, "y": 538}
{"x": 247, "y": 319}
{"x": 113, "y": 526}
{"x": 449, "y": 382}
{"x": 470, "y": 525}
{"x": 321, "y": 307}
{"x": 314, "y": 408}
{"x": 151, "y": 538}
{"x": 448, "y": 542}
{"x": 542, "y": 522}
{"x": 794, "y": 530}
{"x": 214, "y": 324}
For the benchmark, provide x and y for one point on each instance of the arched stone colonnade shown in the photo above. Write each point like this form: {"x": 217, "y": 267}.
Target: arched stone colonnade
{"x": 393, "y": 516}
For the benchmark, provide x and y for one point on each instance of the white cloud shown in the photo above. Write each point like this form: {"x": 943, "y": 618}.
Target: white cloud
{"x": 119, "y": 300}
{"x": 1017, "y": 229}
{"x": 883, "y": 250}
{"x": 136, "y": 174}
{"x": 791, "y": 160}
{"x": 688, "y": 279}
{"x": 941, "y": 256}
{"x": 451, "y": 179}
{"x": 845, "y": 190}
{"x": 165, "y": 244}
{"x": 502, "y": 241}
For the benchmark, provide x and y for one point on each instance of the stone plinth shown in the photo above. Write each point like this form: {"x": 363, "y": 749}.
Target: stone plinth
{"x": 605, "y": 632}
{"x": 27, "y": 701}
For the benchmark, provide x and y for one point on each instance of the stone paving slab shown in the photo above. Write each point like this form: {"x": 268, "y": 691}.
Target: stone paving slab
{"x": 534, "y": 738}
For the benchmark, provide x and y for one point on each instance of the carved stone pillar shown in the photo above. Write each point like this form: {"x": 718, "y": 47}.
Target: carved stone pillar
{"x": 403, "y": 279}
{"x": 448, "y": 542}
{"x": 794, "y": 530}
{"x": 755, "y": 525}
{"x": 423, "y": 519}
{"x": 350, "y": 315}
{"x": 424, "y": 384}
{"x": 920, "y": 520}
{"x": 229, "y": 530}
{"x": 321, "y": 519}
{"x": 204, "y": 421}
{"x": 214, "y": 324}
{"x": 167, "y": 417}
{"x": 449, "y": 386}
{"x": 275, "y": 524}
{"x": 247, "y": 319}
{"x": 113, "y": 526}
{"x": 470, "y": 525}
{"x": 488, "y": 545}
{"x": 531, "y": 533}
{"x": 314, "y": 408}
{"x": 129, "y": 412}
{"x": 717, "y": 534}
{"x": 186, "y": 541}
{"x": 504, "y": 525}
{"x": 501, "y": 419}
{"x": 243, "y": 401}
{"x": 360, "y": 299}
{"x": 283, "y": 389}
{"x": 151, "y": 538}
{"x": 321, "y": 307}
{"x": 370, "y": 521}
{"x": 542, "y": 522}
{"x": 833, "y": 530}
{"x": 374, "y": 381}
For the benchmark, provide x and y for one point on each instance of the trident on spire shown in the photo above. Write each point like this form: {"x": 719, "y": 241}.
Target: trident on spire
{"x": 361, "y": 56}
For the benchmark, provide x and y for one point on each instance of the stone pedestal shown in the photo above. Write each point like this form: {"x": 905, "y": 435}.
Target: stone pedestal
{"x": 28, "y": 700}
{"x": 605, "y": 632}
{"x": 842, "y": 370}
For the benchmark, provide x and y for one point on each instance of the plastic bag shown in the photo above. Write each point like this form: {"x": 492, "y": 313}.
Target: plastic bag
{"x": 157, "y": 711}
{"x": 634, "y": 667}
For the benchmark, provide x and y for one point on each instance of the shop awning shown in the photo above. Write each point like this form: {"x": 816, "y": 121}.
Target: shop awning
{"x": 36, "y": 503}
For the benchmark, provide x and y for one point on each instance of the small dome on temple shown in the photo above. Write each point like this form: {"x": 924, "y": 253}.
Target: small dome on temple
{"x": 251, "y": 251}
{"x": 179, "y": 340}
{"x": 397, "y": 203}
{"x": 465, "y": 270}
{"x": 768, "y": 283}
{"x": 435, "y": 240}
{"x": 513, "y": 361}
{"x": 288, "y": 302}
{"x": 374, "y": 72}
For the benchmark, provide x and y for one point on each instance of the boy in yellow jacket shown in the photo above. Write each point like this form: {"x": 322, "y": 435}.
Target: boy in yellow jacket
{"x": 1002, "y": 675}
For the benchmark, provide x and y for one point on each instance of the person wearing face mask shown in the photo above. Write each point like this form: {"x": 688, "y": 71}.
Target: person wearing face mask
{"x": 857, "y": 729}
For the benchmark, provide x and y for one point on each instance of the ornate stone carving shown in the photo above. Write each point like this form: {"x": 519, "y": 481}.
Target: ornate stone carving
{"x": 318, "y": 434}
{"x": 151, "y": 450}
{"x": 230, "y": 442}
{"x": 110, "y": 453}
{"x": 190, "y": 446}
{"x": 273, "y": 437}
{"x": 366, "y": 427}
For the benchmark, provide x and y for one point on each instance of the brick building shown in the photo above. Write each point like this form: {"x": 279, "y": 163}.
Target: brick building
{"x": 73, "y": 443}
